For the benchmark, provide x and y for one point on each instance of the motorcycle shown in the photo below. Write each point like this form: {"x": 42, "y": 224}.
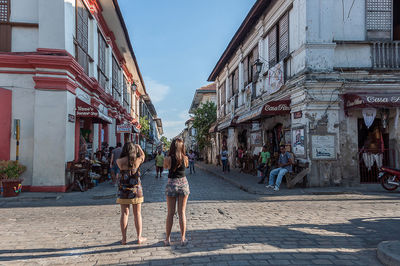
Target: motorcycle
{"x": 389, "y": 178}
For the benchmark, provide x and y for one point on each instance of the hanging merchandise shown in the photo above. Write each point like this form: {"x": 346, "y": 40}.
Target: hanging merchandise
{"x": 369, "y": 116}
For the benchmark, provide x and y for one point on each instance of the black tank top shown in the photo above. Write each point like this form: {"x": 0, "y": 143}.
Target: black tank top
{"x": 179, "y": 172}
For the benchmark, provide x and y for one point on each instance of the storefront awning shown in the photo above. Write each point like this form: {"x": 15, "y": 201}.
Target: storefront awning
{"x": 85, "y": 110}
{"x": 213, "y": 128}
{"x": 250, "y": 115}
{"x": 276, "y": 108}
{"x": 356, "y": 101}
{"x": 228, "y": 123}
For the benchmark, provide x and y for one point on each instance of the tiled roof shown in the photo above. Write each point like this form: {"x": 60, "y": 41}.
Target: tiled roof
{"x": 209, "y": 87}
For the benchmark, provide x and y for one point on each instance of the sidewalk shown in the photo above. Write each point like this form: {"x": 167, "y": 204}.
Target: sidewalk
{"x": 249, "y": 184}
{"x": 102, "y": 191}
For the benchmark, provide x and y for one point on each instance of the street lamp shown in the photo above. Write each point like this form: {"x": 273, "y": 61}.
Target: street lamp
{"x": 134, "y": 87}
{"x": 258, "y": 65}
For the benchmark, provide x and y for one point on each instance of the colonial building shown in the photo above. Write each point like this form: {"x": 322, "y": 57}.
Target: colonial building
{"x": 322, "y": 78}
{"x": 201, "y": 96}
{"x": 69, "y": 78}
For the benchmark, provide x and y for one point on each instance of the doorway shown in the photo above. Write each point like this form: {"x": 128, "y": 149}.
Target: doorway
{"x": 373, "y": 149}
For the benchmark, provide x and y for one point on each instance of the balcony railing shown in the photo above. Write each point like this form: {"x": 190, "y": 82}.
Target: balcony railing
{"x": 386, "y": 54}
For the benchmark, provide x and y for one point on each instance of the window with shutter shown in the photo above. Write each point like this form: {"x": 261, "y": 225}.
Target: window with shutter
{"x": 82, "y": 35}
{"x": 102, "y": 62}
{"x": 250, "y": 67}
{"x": 116, "y": 90}
{"x": 379, "y": 19}
{"x": 272, "y": 45}
{"x": 254, "y": 57}
{"x": 5, "y": 30}
{"x": 223, "y": 93}
{"x": 284, "y": 37}
{"x": 245, "y": 73}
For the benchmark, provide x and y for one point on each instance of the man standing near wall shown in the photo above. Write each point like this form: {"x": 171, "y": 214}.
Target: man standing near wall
{"x": 116, "y": 153}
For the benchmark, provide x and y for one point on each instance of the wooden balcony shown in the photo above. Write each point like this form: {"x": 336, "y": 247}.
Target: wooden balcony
{"x": 386, "y": 55}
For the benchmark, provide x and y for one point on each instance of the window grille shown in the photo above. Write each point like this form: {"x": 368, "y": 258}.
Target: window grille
{"x": 4, "y": 10}
{"x": 379, "y": 19}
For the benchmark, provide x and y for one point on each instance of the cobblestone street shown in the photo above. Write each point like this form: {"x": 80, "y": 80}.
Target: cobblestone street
{"x": 226, "y": 226}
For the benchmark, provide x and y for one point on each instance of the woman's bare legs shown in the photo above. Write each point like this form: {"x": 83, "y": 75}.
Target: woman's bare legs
{"x": 124, "y": 221}
{"x": 182, "y": 200}
{"x": 171, "y": 203}
{"x": 137, "y": 213}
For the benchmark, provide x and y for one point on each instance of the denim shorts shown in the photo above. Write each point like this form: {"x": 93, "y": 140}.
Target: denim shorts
{"x": 115, "y": 169}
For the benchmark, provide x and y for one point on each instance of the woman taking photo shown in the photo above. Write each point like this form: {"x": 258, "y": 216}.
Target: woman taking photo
{"x": 177, "y": 189}
{"x": 130, "y": 188}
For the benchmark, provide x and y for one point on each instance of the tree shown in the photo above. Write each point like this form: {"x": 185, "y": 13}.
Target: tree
{"x": 166, "y": 142}
{"x": 145, "y": 129}
{"x": 204, "y": 116}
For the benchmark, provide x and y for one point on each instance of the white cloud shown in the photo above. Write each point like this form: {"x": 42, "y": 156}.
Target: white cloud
{"x": 156, "y": 90}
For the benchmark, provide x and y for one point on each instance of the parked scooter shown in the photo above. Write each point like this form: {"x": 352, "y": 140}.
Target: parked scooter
{"x": 389, "y": 178}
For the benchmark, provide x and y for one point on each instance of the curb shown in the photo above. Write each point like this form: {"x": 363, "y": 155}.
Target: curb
{"x": 388, "y": 253}
{"x": 236, "y": 184}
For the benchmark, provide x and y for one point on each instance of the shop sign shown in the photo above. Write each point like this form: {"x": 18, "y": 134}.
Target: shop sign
{"x": 367, "y": 100}
{"x": 71, "y": 118}
{"x": 276, "y": 107}
{"x": 86, "y": 111}
{"x": 298, "y": 115}
{"x": 124, "y": 128}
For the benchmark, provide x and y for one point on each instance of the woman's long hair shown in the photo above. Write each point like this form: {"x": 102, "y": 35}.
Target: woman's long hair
{"x": 177, "y": 153}
{"x": 129, "y": 150}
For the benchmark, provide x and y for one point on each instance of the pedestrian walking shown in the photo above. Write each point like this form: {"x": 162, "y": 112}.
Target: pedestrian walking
{"x": 116, "y": 153}
{"x": 264, "y": 161}
{"x": 177, "y": 189}
{"x": 224, "y": 159}
{"x": 192, "y": 158}
{"x": 159, "y": 163}
{"x": 130, "y": 188}
{"x": 284, "y": 165}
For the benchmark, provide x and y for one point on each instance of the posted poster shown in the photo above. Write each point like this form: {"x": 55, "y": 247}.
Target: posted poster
{"x": 323, "y": 147}
{"x": 256, "y": 138}
{"x": 298, "y": 141}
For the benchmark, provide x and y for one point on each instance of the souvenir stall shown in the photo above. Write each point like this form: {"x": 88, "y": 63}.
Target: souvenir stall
{"x": 377, "y": 122}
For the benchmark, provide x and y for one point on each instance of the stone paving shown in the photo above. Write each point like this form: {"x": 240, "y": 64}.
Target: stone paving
{"x": 226, "y": 226}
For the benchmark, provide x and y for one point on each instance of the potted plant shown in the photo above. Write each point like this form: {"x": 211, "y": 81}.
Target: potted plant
{"x": 10, "y": 172}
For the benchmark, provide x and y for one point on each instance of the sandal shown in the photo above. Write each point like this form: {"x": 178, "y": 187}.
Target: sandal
{"x": 184, "y": 242}
{"x": 167, "y": 243}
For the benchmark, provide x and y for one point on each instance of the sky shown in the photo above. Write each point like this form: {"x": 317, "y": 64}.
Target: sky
{"x": 177, "y": 43}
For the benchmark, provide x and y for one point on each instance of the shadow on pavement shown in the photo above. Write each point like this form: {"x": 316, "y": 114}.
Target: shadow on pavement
{"x": 361, "y": 233}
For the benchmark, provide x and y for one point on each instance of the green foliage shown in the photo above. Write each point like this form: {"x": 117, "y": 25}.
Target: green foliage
{"x": 11, "y": 170}
{"x": 145, "y": 129}
{"x": 204, "y": 116}
{"x": 166, "y": 142}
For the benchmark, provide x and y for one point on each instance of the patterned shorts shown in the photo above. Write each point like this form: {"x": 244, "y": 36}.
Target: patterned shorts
{"x": 177, "y": 187}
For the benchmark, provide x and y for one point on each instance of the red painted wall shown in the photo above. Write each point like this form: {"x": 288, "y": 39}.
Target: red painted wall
{"x": 5, "y": 123}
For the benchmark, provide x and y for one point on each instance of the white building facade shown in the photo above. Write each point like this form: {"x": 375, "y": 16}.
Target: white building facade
{"x": 69, "y": 75}
{"x": 320, "y": 77}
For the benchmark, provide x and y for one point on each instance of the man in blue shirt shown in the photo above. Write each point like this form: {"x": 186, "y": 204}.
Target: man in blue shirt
{"x": 284, "y": 165}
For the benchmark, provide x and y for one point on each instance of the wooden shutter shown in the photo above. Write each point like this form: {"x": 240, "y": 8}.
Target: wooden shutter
{"x": 283, "y": 37}
{"x": 115, "y": 80}
{"x": 102, "y": 62}
{"x": 82, "y": 35}
{"x": 5, "y": 30}
{"x": 272, "y": 47}
{"x": 236, "y": 81}
{"x": 253, "y": 67}
{"x": 223, "y": 93}
{"x": 245, "y": 74}
{"x": 379, "y": 19}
